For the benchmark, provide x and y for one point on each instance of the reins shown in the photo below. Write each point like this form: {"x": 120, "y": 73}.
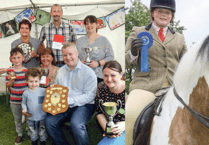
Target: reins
{"x": 203, "y": 119}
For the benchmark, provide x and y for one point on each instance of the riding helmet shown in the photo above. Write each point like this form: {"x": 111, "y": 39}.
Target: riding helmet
{"x": 167, "y": 4}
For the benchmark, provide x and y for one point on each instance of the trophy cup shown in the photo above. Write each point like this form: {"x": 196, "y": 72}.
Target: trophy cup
{"x": 27, "y": 49}
{"x": 45, "y": 72}
{"x": 88, "y": 50}
{"x": 44, "y": 78}
{"x": 110, "y": 109}
{"x": 12, "y": 74}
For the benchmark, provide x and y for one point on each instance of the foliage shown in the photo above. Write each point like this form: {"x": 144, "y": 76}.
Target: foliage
{"x": 139, "y": 15}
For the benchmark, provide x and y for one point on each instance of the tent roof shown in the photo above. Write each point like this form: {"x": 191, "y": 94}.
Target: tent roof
{"x": 18, "y": 4}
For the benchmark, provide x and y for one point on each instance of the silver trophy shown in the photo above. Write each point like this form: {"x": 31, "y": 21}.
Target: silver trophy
{"x": 88, "y": 51}
{"x": 45, "y": 72}
{"x": 110, "y": 109}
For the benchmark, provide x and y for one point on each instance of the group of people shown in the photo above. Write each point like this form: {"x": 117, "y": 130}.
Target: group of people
{"x": 101, "y": 79}
{"x": 98, "y": 80}
{"x": 164, "y": 55}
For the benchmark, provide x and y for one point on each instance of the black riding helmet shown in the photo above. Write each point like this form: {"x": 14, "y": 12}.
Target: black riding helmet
{"x": 167, "y": 4}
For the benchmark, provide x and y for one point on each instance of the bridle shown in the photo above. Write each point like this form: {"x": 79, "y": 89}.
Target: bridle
{"x": 203, "y": 119}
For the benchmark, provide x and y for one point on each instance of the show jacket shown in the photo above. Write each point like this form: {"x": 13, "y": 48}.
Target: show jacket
{"x": 163, "y": 59}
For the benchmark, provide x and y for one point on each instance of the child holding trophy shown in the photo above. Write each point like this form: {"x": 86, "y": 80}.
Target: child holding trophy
{"x": 33, "y": 98}
{"x": 163, "y": 57}
{"x": 111, "y": 93}
{"x": 15, "y": 80}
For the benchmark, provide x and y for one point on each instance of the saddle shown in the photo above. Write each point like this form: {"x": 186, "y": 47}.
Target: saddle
{"x": 143, "y": 122}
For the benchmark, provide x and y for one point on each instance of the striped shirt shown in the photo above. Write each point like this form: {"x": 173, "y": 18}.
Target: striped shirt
{"x": 18, "y": 87}
{"x": 48, "y": 31}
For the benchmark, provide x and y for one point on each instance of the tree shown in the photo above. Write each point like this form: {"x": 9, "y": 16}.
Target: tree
{"x": 139, "y": 15}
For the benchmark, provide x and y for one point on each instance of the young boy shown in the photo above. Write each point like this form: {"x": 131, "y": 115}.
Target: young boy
{"x": 33, "y": 98}
{"x": 17, "y": 85}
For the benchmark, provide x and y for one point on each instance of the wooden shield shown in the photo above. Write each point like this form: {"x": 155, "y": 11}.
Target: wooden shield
{"x": 55, "y": 100}
{"x": 27, "y": 49}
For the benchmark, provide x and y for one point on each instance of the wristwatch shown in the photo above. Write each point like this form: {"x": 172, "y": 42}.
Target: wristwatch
{"x": 99, "y": 63}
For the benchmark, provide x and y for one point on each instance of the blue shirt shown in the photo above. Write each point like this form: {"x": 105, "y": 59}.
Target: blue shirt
{"x": 32, "y": 101}
{"x": 81, "y": 82}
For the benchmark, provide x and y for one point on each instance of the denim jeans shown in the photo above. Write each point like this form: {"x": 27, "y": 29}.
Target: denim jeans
{"x": 37, "y": 129}
{"x": 78, "y": 117}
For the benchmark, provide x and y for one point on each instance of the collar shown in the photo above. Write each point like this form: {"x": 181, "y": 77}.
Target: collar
{"x": 78, "y": 66}
{"x": 61, "y": 24}
{"x": 157, "y": 28}
{"x": 150, "y": 25}
{"x": 29, "y": 39}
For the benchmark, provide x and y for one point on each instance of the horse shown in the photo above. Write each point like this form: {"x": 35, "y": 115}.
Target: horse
{"x": 177, "y": 125}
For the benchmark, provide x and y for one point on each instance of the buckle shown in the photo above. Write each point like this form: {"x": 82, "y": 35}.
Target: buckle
{"x": 60, "y": 62}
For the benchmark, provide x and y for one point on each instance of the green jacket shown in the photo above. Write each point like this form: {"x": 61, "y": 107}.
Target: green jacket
{"x": 163, "y": 59}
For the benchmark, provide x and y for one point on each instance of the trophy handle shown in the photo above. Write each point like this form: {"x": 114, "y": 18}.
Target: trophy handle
{"x": 100, "y": 106}
{"x": 118, "y": 107}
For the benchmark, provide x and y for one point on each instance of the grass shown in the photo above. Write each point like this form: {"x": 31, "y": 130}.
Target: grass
{"x": 8, "y": 133}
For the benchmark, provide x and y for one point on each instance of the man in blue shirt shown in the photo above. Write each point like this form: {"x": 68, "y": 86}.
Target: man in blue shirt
{"x": 82, "y": 83}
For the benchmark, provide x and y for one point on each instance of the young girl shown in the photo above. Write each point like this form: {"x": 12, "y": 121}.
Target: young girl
{"x": 164, "y": 55}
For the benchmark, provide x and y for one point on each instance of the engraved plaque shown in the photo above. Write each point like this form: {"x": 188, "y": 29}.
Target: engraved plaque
{"x": 55, "y": 101}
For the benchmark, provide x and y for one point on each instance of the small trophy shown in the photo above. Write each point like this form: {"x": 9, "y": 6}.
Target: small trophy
{"x": 44, "y": 79}
{"x": 12, "y": 74}
{"x": 45, "y": 72}
{"x": 110, "y": 109}
{"x": 88, "y": 50}
{"x": 55, "y": 100}
{"x": 27, "y": 49}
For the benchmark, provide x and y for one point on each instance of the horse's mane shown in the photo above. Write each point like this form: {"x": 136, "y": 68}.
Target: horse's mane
{"x": 193, "y": 65}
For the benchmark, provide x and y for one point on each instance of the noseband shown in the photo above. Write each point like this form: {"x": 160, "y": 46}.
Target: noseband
{"x": 203, "y": 119}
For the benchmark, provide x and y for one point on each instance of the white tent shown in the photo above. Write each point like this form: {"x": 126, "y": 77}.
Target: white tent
{"x": 72, "y": 10}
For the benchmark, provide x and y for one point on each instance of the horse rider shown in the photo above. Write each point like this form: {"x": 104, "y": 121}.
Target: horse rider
{"x": 163, "y": 56}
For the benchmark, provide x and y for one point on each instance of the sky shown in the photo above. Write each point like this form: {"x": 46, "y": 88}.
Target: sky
{"x": 193, "y": 15}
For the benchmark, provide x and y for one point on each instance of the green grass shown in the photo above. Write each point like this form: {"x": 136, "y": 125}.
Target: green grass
{"x": 8, "y": 133}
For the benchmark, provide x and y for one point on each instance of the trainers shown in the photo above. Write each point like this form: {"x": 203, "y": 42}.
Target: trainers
{"x": 18, "y": 140}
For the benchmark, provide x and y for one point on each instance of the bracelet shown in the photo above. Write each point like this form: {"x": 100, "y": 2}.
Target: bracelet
{"x": 99, "y": 63}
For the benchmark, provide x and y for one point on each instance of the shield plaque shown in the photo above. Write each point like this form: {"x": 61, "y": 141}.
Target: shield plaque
{"x": 55, "y": 101}
{"x": 27, "y": 49}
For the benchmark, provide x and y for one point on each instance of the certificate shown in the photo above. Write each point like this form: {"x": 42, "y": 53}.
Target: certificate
{"x": 57, "y": 41}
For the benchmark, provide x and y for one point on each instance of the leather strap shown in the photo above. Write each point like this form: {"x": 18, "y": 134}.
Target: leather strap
{"x": 60, "y": 62}
{"x": 203, "y": 119}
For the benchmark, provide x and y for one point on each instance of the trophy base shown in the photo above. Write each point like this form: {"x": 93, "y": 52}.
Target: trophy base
{"x": 87, "y": 63}
{"x": 13, "y": 78}
{"x": 108, "y": 131}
